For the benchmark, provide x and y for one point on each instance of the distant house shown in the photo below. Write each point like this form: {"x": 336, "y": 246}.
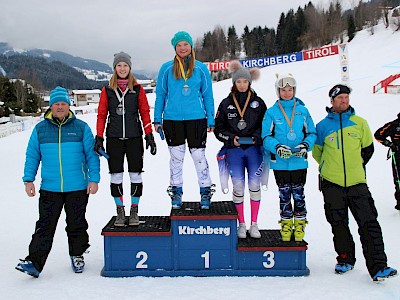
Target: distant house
{"x": 85, "y": 97}
{"x": 149, "y": 85}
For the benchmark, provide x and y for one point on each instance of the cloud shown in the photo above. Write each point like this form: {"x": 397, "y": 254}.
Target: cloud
{"x": 98, "y": 29}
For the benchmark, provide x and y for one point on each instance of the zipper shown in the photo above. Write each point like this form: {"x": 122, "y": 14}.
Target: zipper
{"x": 343, "y": 160}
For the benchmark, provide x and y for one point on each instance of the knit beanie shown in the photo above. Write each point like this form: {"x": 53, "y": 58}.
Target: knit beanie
{"x": 59, "y": 94}
{"x": 235, "y": 67}
{"x": 339, "y": 89}
{"x": 181, "y": 36}
{"x": 124, "y": 57}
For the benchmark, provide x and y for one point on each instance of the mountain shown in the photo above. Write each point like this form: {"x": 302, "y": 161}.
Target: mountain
{"x": 43, "y": 74}
{"x": 92, "y": 69}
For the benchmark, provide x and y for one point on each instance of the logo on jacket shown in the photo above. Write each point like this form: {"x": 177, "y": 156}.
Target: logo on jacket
{"x": 352, "y": 134}
{"x": 230, "y": 106}
{"x": 254, "y": 104}
{"x": 231, "y": 116}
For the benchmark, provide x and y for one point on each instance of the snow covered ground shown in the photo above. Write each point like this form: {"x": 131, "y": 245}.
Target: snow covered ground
{"x": 372, "y": 58}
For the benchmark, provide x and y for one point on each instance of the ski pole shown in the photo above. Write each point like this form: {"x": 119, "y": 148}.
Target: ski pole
{"x": 395, "y": 167}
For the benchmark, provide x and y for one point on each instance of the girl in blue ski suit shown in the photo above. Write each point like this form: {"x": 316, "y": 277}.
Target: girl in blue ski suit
{"x": 288, "y": 132}
{"x": 184, "y": 110}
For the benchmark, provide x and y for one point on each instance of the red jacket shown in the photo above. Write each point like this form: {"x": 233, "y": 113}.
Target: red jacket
{"x": 103, "y": 111}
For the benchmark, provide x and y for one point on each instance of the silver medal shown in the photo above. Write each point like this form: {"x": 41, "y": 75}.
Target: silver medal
{"x": 242, "y": 124}
{"x": 120, "y": 110}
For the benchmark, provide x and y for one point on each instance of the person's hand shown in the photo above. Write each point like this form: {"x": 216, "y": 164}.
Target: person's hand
{"x": 391, "y": 145}
{"x": 92, "y": 188}
{"x": 210, "y": 129}
{"x": 98, "y": 144}
{"x": 236, "y": 141}
{"x": 151, "y": 143}
{"x": 283, "y": 151}
{"x": 302, "y": 150}
{"x": 30, "y": 189}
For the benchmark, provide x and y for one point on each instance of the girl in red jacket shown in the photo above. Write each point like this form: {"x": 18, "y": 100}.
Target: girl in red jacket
{"x": 121, "y": 104}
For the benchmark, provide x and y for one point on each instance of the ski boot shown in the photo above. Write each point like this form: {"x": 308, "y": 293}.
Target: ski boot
{"x": 286, "y": 229}
{"x": 120, "y": 219}
{"x": 26, "y": 266}
{"x": 299, "y": 226}
{"x": 385, "y": 273}
{"x": 254, "y": 231}
{"x": 133, "y": 217}
{"x": 342, "y": 268}
{"x": 175, "y": 192}
{"x": 77, "y": 263}
{"x": 206, "y": 194}
{"x": 241, "y": 232}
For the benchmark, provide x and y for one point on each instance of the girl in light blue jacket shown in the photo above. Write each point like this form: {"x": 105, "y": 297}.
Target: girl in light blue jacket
{"x": 288, "y": 132}
{"x": 184, "y": 111}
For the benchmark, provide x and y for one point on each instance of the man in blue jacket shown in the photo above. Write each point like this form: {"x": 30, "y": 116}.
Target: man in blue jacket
{"x": 70, "y": 172}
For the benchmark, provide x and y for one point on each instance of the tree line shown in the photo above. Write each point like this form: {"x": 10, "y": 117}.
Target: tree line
{"x": 307, "y": 27}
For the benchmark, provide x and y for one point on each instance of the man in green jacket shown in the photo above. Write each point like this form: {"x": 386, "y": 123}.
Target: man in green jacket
{"x": 344, "y": 146}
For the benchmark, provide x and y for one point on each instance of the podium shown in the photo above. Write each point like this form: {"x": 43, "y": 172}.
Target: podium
{"x": 195, "y": 242}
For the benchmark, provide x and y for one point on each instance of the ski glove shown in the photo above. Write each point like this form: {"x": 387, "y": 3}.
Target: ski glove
{"x": 98, "y": 144}
{"x": 151, "y": 143}
{"x": 391, "y": 145}
{"x": 302, "y": 150}
{"x": 283, "y": 151}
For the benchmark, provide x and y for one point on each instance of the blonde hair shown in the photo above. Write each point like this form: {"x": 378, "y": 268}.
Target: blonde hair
{"x": 190, "y": 66}
{"x": 114, "y": 84}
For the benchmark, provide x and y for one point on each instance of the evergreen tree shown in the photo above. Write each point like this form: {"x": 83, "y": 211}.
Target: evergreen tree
{"x": 233, "y": 43}
{"x": 351, "y": 27}
{"x": 280, "y": 30}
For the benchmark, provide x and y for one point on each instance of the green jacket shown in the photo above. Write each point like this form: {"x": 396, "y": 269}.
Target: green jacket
{"x": 344, "y": 146}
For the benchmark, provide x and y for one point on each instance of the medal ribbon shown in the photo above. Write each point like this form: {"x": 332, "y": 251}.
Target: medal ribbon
{"x": 285, "y": 115}
{"x": 241, "y": 112}
{"x": 181, "y": 68}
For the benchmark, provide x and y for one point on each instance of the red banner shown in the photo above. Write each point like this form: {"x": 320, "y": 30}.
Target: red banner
{"x": 321, "y": 52}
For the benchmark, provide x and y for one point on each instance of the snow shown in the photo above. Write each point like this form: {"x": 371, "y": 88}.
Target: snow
{"x": 369, "y": 57}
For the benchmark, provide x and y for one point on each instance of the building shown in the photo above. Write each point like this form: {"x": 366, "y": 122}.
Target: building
{"x": 85, "y": 97}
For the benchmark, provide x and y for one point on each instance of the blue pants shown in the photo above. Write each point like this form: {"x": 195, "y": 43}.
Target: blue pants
{"x": 239, "y": 160}
{"x": 291, "y": 183}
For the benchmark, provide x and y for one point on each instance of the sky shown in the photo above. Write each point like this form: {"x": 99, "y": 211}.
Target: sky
{"x": 98, "y": 29}
{"x": 18, "y": 213}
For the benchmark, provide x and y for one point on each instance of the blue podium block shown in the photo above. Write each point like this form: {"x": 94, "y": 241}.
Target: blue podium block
{"x": 130, "y": 251}
{"x": 195, "y": 242}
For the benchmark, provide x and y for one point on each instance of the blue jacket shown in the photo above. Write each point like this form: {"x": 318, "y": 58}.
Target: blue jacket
{"x": 66, "y": 153}
{"x": 275, "y": 129}
{"x": 171, "y": 104}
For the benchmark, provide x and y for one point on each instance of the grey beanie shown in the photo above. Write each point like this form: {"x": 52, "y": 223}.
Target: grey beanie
{"x": 241, "y": 73}
{"x": 124, "y": 57}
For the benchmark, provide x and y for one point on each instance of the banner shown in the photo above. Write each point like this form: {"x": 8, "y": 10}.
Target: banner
{"x": 285, "y": 58}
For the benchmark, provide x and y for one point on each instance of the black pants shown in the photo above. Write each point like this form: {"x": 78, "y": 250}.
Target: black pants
{"x": 132, "y": 148}
{"x": 338, "y": 200}
{"x": 50, "y": 207}
{"x": 194, "y": 131}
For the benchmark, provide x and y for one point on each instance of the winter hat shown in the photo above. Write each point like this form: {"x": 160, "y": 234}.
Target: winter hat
{"x": 59, "y": 94}
{"x": 283, "y": 81}
{"x": 339, "y": 89}
{"x": 181, "y": 36}
{"x": 235, "y": 67}
{"x": 124, "y": 57}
